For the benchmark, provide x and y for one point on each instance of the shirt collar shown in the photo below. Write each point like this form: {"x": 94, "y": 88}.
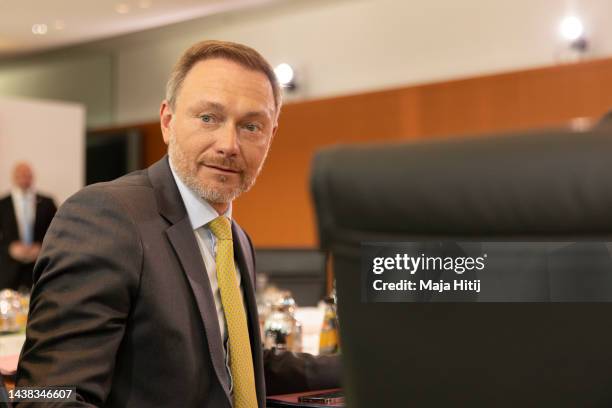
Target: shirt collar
{"x": 19, "y": 194}
{"x": 199, "y": 211}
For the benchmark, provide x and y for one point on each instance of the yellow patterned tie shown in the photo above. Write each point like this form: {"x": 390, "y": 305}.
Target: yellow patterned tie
{"x": 241, "y": 359}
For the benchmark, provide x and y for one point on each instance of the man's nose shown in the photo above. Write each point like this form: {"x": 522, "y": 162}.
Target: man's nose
{"x": 227, "y": 141}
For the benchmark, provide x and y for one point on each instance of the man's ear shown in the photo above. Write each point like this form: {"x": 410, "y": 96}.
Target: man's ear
{"x": 165, "y": 119}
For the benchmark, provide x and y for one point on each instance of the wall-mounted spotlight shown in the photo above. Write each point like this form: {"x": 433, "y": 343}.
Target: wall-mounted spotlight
{"x": 286, "y": 76}
{"x": 572, "y": 30}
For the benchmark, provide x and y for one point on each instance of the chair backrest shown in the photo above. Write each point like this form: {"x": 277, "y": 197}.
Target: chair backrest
{"x": 554, "y": 186}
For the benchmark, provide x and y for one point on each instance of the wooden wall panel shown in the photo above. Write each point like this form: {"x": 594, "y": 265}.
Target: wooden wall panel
{"x": 278, "y": 211}
{"x": 153, "y": 146}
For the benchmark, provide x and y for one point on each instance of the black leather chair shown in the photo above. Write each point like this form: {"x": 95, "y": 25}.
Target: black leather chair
{"x": 299, "y": 270}
{"x": 550, "y": 186}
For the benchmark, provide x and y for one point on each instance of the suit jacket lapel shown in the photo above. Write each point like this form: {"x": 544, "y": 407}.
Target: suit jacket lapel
{"x": 37, "y": 211}
{"x": 183, "y": 241}
{"x": 13, "y": 228}
{"x": 181, "y": 237}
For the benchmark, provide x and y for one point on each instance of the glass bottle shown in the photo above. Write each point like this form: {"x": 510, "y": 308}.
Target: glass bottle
{"x": 329, "y": 341}
{"x": 281, "y": 329}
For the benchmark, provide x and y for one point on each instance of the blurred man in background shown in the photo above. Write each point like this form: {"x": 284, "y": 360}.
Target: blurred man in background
{"x": 25, "y": 216}
{"x": 606, "y": 121}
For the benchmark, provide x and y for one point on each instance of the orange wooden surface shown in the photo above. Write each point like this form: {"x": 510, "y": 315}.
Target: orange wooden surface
{"x": 278, "y": 211}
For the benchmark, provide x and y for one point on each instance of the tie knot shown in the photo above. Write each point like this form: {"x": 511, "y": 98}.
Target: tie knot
{"x": 221, "y": 227}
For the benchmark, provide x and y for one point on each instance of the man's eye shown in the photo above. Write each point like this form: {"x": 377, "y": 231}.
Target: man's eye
{"x": 207, "y": 118}
{"x": 251, "y": 127}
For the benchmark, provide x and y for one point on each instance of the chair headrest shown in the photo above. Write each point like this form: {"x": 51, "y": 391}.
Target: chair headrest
{"x": 547, "y": 184}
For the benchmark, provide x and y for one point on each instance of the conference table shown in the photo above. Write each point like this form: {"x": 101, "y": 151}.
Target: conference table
{"x": 310, "y": 317}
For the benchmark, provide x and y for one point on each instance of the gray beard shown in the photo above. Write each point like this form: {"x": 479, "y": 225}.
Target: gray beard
{"x": 188, "y": 176}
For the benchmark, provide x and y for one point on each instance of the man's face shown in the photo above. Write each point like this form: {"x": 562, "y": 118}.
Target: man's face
{"x": 22, "y": 176}
{"x": 220, "y": 130}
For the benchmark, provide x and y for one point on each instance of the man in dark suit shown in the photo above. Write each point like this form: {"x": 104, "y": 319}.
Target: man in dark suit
{"x": 24, "y": 219}
{"x": 605, "y": 122}
{"x": 144, "y": 290}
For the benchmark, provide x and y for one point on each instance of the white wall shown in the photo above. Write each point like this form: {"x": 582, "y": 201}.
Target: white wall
{"x": 50, "y": 136}
{"x": 344, "y": 47}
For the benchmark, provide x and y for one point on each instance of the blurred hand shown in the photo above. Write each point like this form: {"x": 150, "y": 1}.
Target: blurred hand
{"x": 24, "y": 253}
{"x": 19, "y": 251}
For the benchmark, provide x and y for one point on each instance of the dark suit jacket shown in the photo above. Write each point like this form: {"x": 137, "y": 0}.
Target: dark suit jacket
{"x": 3, "y": 393}
{"x": 122, "y": 306}
{"x": 14, "y": 274}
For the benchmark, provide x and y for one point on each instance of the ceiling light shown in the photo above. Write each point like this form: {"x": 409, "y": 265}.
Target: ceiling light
{"x": 39, "y": 29}
{"x": 571, "y": 28}
{"x": 122, "y": 8}
{"x": 284, "y": 74}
